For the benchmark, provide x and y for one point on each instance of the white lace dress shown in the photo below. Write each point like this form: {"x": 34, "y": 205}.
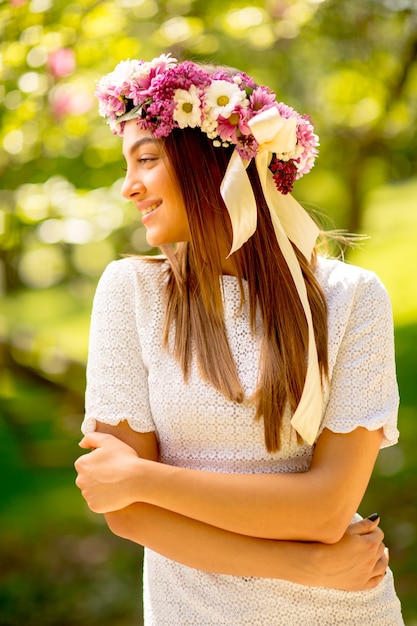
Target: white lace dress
{"x": 130, "y": 377}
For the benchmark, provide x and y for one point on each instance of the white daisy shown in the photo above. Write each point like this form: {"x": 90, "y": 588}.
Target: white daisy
{"x": 123, "y": 73}
{"x": 163, "y": 58}
{"x": 222, "y": 97}
{"x": 187, "y": 111}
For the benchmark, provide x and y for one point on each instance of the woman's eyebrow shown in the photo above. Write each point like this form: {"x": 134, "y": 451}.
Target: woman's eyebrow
{"x": 140, "y": 142}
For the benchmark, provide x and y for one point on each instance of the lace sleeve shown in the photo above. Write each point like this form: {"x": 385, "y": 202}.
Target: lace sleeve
{"x": 117, "y": 387}
{"x": 363, "y": 387}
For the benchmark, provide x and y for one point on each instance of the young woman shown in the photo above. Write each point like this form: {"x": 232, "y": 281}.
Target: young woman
{"x": 240, "y": 386}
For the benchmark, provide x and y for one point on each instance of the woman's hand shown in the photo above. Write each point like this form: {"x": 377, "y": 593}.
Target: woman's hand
{"x": 357, "y": 562}
{"x": 109, "y": 474}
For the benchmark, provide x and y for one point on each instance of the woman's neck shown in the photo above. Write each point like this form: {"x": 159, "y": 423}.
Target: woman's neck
{"x": 228, "y": 267}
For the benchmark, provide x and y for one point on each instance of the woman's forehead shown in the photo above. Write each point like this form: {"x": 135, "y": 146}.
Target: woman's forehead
{"x": 135, "y": 137}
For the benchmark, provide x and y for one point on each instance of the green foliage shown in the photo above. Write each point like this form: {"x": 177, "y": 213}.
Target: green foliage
{"x": 351, "y": 64}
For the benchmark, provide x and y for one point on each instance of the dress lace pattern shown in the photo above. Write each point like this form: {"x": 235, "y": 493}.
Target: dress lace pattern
{"x": 130, "y": 377}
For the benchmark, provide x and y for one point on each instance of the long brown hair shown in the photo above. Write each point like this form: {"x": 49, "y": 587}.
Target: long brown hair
{"x": 194, "y": 306}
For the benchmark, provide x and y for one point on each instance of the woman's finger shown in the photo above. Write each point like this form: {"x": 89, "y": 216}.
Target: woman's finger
{"x": 95, "y": 440}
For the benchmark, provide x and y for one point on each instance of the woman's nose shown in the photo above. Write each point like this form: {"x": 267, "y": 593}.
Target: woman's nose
{"x": 132, "y": 187}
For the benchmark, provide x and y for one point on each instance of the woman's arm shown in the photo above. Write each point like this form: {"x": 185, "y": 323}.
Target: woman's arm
{"x": 144, "y": 444}
{"x": 316, "y": 505}
{"x": 358, "y": 561}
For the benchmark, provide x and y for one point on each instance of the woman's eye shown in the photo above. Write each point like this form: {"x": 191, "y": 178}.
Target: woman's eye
{"x": 147, "y": 159}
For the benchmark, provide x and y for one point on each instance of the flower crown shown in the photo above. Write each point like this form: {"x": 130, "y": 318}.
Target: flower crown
{"x": 164, "y": 94}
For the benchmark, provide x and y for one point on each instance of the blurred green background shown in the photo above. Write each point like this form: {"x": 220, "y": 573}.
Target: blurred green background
{"x": 351, "y": 64}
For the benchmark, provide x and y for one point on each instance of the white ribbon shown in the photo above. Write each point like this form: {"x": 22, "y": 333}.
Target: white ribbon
{"x": 275, "y": 134}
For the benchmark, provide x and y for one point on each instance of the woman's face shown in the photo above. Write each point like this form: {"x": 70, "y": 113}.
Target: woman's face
{"x": 150, "y": 183}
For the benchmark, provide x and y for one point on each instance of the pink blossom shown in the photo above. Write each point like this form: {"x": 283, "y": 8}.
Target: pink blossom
{"x": 247, "y": 81}
{"x": 61, "y": 62}
{"x": 135, "y": 92}
{"x": 287, "y": 111}
{"x": 307, "y": 142}
{"x": 233, "y": 126}
{"x": 261, "y": 99}
{"x": 69, "y": 100}
{"x": 221, "y": 74}
{"x": 247, "y": 147}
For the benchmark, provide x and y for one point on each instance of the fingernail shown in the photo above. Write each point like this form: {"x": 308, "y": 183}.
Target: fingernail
{"x": 373, "y": 517}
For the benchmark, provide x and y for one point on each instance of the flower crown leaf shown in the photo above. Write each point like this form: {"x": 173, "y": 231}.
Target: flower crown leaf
{"x": 164, "y": 94}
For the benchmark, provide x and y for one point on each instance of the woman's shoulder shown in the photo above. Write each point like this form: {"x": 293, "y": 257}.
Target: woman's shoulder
{"x": 136, "y": 268}
{"x": 342, "y": 281}
{"x": 330, "y": 271}
{"x": 132, "y": 277}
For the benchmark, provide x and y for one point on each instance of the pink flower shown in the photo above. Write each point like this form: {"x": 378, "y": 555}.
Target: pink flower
{"x": 261, "y": 99}
{"x": 69, "y": 100}
{"x": 286, "y": 111}
{"x": 235, "y": 125}
{"x": 307, "y": 142}
{"x": 245, "y": 80}
{"x": 111, "y": 103}
{"x": 61, "y": 62}
{"x": 247, "y": 147}
{"x": 221, "y": 74}
{"x": 135, "y": 92}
